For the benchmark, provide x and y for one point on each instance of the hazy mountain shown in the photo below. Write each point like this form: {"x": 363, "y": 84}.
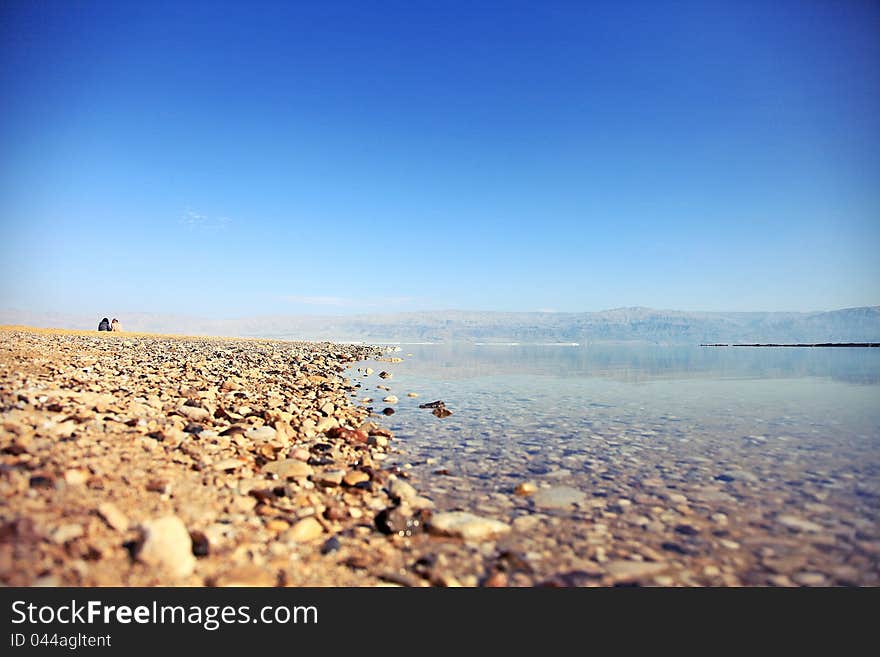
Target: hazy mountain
{"x": 619, "y": 325}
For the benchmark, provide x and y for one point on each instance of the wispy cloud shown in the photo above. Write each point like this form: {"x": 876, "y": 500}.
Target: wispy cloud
{"x": 367, "y": 302}
{"x": 195, "y": 220}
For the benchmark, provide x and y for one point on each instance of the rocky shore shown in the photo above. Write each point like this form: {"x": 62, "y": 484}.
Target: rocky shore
{"x": 132, "y": 460}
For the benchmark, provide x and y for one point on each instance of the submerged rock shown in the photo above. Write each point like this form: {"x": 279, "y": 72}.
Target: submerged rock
{"x": 558, "y": 497}
{"x": 466, "y": 525}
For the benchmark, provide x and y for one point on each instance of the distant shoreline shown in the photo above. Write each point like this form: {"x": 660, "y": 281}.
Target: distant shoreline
{"x": 817, "y": 344}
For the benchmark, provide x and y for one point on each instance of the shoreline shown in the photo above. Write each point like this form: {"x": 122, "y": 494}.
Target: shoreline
{"x": 137, "y": 459}
{"x": 141, "y": 460}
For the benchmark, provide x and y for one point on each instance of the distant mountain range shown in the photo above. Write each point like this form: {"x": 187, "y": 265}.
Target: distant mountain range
{"x": 643, "y": 325}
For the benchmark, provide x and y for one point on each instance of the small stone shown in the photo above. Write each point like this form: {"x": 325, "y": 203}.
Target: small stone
{"x": 194, "y": 413}
{"x": 300, "y": 454}
{"x": 810, "y": 579}
{"x": 201, "y": 546}
{"x": 227, "y": 465}
{"x": 441, "y": 412}
{"x": 390, "y": 399}
{"x": 798, "y": 524}
{"x": 526, "y": 488}
{"x": 526, "y": 523}
{"x": 260, "y": 434}
{"x": 277, "y": 525}
{"x": 398, "y": 520}
{"x": 328, "y": 409}
{"x": 498, "y": 579}
{"x": 622, "y": 572}
{"x": 385, "y": 375}
{"x": 401, "y": 490}
{"x": 244, "y": 503}
{"x": 166, "y": 545}
{"x": 355, "y": 477}
{"x": 388, "y": 411}
{"x": 326, "y": 424}
{"x": 368, "y": 371}
{"x": 305, "y": 530}
{"x": 161, "y": 486}
{"x": 289, "y": 469}
{"x": 466, "y": 526}
{"x": 378, "y": 441}
{"x": 76, "y": 477}
{"x": 558, "y": 497}
{"x": 67, "y": 532}
{"x": 329, "y": 477}
{"x": 330, "y": 545}
{"x": 412, "y": 394}
{"x": 114, "y": 518}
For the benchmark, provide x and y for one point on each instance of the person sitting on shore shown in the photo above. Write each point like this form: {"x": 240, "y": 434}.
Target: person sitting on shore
{"x": 115, "y": 325}
{"x": 104, "y": 325}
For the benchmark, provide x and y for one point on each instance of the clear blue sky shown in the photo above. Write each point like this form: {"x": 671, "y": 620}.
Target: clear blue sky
{"x": 248, "y": 158}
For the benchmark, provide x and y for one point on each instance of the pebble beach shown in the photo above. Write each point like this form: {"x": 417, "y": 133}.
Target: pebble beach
{"x": 140, "y": 460}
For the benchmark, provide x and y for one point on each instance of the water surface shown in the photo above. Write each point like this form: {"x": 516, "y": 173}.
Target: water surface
{"x": 753, "y": 435}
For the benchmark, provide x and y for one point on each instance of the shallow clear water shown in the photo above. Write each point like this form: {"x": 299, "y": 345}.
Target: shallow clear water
{"x": 526, "y": 411}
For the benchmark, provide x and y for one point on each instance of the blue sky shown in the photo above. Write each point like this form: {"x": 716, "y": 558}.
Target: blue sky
{"x": 259, "y": 158}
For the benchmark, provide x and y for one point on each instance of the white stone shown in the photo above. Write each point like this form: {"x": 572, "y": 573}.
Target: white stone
{"x": 166, "y": 545}
{"x": 467, "y": 526}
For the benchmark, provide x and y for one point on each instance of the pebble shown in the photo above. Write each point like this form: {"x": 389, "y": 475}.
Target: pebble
{"x": 114, "y": 518}
{"x": 288, "y": 469}
{"x": 412, "y": 394}
{"x": 798, "y": 524}
{"x": 401, "y": 490}
{"x": 67, "y": 532}
{"x": 166, "y": 545}
{"x": 76, "y": 477}
{"x": 194, "y": 413}
{"x": 329, "y": 477}
{"x": 258, "y": 434}
{"x": 810, "y": 579}
{"x": 355, "y": 477}
{"x": 305, "y": 530}
{"x": 161, "y": 486}
{"x": 622, "y": 572}
{"x": 558, "y": 497}
{"x": 525, "y": 488}
{"x": 466, "y": 526}
{"x": 390, "y": 399}
{"x": 227, "y": 464}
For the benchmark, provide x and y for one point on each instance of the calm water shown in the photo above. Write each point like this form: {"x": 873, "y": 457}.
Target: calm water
{"x": 782, "y": 415}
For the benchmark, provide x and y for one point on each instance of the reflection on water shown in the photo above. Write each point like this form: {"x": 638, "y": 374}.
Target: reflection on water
{"x": 640, "y": 363}
{"x": 750, "y": 438}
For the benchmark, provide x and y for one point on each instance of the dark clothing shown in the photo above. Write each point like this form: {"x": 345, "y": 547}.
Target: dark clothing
{"x": 104, "y": 325}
